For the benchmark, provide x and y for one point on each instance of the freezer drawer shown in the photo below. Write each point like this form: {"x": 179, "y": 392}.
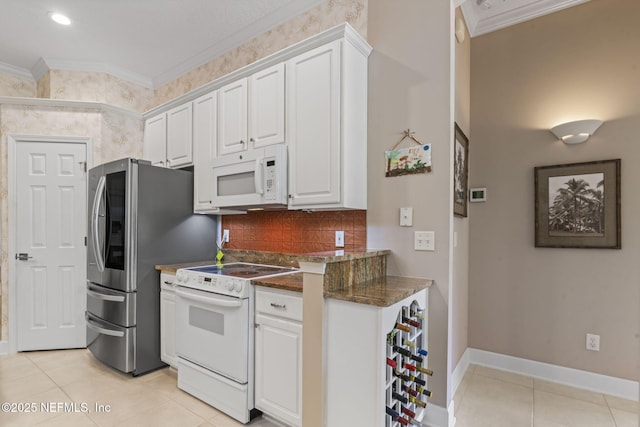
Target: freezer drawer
{"x": 111, "y": 305}
{"x": 112, "y": 344}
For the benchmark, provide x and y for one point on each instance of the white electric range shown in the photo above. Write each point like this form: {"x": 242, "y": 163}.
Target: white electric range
{"x": 215, "y": 334}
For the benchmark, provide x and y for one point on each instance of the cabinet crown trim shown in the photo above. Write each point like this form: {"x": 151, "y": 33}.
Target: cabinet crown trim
{"x": 342, "y": 31}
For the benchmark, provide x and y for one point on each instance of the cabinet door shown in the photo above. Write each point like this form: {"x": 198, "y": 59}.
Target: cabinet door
{"x": 168, "y": 328}
{"x": 278, "y": 374}
{"x": 155, "y": 140}
{"x": 204, "y": 150}
{"x": 180, "y": 136}
{"x": 266, "y": 107}
{"x": 232, "y": 118}
{"x": 313, "y": 123}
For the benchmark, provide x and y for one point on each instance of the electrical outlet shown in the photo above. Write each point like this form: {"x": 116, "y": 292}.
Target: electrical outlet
{"x": 225, "y": 236}
{"x": 340, "y": 239}
{"x": 593, "y": 342}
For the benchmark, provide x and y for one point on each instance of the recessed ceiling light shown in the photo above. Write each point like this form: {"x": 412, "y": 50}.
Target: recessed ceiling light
{"x": 61, "y": 19}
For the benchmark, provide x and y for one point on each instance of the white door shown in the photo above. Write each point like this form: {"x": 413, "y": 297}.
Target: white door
{"x": 180, "y": 136}
{"x": 50, "y": 245}
{"x": 155, "y": 140}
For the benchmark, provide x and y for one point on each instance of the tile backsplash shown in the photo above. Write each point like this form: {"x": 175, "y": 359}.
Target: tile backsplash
{"x": 295, "y": 232}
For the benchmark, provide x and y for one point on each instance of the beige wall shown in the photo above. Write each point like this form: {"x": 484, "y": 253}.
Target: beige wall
{"x": 409, "y": 87}
{"x": 458, "y": 335}
{"x": 16, "y": 86}
{"x": 538, "y": 303}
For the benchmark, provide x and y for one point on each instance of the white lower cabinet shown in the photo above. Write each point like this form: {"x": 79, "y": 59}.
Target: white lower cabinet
{"x": 168, "y": 320}
{"x": 278, "y": 355}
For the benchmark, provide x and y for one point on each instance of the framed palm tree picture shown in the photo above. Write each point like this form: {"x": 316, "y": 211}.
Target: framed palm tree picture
{"x": 578, "y": 205}
{"x": 460, "y": 172}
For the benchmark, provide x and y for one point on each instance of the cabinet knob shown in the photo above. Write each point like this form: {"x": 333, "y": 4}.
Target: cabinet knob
{"x": 252, "y": 140}
{"x": 241, "y": 141}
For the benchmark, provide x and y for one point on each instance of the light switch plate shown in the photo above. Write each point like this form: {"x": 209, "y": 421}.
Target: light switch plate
{"x": 406, "y": 217}
{"x": 225, "y": 236}
{"x": 340, "y": 239}
{"x": 424, "y": 241}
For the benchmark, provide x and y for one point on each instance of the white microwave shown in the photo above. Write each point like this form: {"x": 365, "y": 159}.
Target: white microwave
{"x": 253, "y": 179}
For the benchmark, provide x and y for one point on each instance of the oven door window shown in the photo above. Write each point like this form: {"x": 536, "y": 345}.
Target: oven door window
{"x": 213, "y": 331}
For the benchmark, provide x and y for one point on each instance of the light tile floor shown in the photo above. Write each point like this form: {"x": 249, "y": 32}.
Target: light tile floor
{"x": 491, "y": 398}
{"x": 77, "y": 378}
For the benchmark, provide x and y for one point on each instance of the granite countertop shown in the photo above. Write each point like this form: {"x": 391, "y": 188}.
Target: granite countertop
{"x": 340, "y": 256}
{"x": 381, "y": 292}
{"x": 287, "y": 282}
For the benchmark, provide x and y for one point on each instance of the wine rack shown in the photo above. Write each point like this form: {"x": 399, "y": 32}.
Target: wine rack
{"x": 406, "y": 390}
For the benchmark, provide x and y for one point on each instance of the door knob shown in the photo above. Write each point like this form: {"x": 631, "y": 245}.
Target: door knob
{"x": 23, "y": 257}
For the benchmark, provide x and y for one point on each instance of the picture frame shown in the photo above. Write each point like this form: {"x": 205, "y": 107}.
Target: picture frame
{"x": 460, "y": 173}
{"x": 577, "y": 205}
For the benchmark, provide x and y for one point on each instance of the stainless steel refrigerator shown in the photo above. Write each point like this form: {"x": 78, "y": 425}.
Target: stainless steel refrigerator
{"x": 139, "y": 216}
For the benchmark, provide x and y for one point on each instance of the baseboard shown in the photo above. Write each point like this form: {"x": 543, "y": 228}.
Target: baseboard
{"x": 461, "y": 369}
{"x": 568, "y": 376}
{"x": 4, "y": 347}
{"x": 435, "y": 416}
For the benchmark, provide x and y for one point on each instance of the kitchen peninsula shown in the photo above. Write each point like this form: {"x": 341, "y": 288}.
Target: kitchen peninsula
{"x": 350, "y": 305}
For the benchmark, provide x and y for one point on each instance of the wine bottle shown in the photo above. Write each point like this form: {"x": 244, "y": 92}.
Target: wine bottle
{"x": 402, "y": 351}
{"x": 408, "y": 412}
{"x": 409, "y": 343}
{"x": 411, "y": 322}
{"x": 422, "y": 351}
{"x": 416, "y": 314}
{"x": 417, "y": 402}
{"x": 424, "y": 370}
{"x": 391, "y": 337}
{"x": 402, "y": 376}
{"x": 399, "y": 397}
{"x": 402, "y": 327}
{"x": 410, "y": 367}
{"x": 417, "y": 358}
{"x": 403, "y": 421}
{"x": 423, "y": 391}
{"x": 393, "y": 414}
{"x": 391, "y": 363}
{"x": 411, "y": 391}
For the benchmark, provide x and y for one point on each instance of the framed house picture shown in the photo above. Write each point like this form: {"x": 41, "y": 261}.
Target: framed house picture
{"x": 460, "y": 173}
{"x": 578, "y": 205}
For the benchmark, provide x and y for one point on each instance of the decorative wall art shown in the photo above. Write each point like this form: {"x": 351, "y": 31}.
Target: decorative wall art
{"x": 407, "y": 161}
{"x": 460, "y": 173}
{"x": 578, "y": 205}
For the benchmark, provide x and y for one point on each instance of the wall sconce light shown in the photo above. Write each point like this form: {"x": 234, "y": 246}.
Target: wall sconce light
{"x": 576, "y": 132}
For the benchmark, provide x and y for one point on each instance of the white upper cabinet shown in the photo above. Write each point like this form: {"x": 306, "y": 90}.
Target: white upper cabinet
{"x": 204, "y": 150}
{"x": 155, "y": 140}
{"x": 327, "y": 127}
{"x": 251, "y": 111}
{"x": 232, "y": 117}
{"x": 180, "y": 136}
{"x": 266, "y": 103}
{"x": 168, "y": 138}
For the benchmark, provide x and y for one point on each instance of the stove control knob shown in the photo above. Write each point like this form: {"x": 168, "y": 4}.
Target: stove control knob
{"x": 181, "y": 277}
{"x": 229, "y": 286}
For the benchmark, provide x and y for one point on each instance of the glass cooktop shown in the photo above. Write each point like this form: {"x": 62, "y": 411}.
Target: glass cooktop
{"x": 242, "y": 270}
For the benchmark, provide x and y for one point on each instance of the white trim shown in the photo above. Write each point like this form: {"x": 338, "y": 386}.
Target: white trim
{"x": 598, "y": 383}
{"x": 45, "y": 102}
{"x": 436, "y": 416}
{"x": 12, "y": 141}
{"x": 478, "y": 26}
{"x": 4, "y": 347}
{"x": 459, "y": 371}
{"x": 16, "y": 71}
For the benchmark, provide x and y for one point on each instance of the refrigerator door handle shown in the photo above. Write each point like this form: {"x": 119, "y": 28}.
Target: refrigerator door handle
{"x": 103, "y": 331}
{"x": 95, "y": 229}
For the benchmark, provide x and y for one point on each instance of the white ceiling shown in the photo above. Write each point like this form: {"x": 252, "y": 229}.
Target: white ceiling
{"x": 484, "y": 16}
{"x": 151, "y": 42}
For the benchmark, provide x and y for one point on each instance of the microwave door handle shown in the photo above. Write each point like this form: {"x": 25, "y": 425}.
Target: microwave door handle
{"x": 95, "y": 226}
{"x": 259, "y": 176}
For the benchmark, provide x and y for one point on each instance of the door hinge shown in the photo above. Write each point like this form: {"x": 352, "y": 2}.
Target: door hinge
{"x": 84, "y": 166}
{"x": 85, "y": 240}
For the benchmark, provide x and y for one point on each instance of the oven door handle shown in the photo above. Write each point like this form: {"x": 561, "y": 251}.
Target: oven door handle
{"x": 210, "y": 300}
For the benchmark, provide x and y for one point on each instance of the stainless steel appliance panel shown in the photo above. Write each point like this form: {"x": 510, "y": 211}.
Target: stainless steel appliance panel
{"x": 112, "y": 344}
{"x": 112, "y": 305}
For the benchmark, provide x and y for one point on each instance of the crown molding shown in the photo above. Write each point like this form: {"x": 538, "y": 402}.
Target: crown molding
{"x": 478, "y": 26}
{"x": 16, "y": 71}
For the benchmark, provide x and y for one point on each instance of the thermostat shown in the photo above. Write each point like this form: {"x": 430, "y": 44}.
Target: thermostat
{"x": 478, "y": 195}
